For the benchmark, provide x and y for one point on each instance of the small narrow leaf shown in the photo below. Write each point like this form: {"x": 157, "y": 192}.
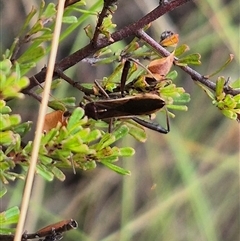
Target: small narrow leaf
{"x": 50, "y": 11}
{"x": 228, "y": 61}
{"x": 220, "y": 85}
{"x": 230, "y": 114}
{"x": 126, "y": 151}
{"x": 28, "y": 19}
{"x": 178, "y": 107}
{"x": 120, "y": 132}
{"x": 115, "y": 168}
{"x": 3, "y": 191}
{"x": 41, "y": 169}
{"x": 69, "y": 19}
{"x": 58, "y": 174}
{"x": 106, "y": 140}
{"x": 137, "y": 131}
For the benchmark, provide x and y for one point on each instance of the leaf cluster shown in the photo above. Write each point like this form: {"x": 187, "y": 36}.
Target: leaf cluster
{"x": 79, "y": 142}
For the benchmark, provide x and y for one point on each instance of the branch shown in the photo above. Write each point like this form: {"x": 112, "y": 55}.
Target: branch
{"x": 119, "y": 35}
{"x": 106, "y": 7}
{"x": 194, "y": 74}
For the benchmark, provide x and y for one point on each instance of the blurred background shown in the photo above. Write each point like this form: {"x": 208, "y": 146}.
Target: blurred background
{"x": 184, "y": 185}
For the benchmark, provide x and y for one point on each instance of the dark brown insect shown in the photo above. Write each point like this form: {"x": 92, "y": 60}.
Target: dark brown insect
{"x": 141, "y": 104}
{"x": 52, "y": 232}
{"x": 127, "y": 107}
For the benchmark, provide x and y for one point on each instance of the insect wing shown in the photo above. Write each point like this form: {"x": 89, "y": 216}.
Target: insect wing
{"x": 144, "y": 104}
{"x": 58, "y": 227}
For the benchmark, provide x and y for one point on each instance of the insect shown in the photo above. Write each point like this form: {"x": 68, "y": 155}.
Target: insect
{"x": 127, "y": 107}
{"x": 168, "y": 38}
{"x": 52, "y": 232}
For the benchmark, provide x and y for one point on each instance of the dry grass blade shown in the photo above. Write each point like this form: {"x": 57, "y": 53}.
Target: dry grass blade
{"x": 42, "y": 111}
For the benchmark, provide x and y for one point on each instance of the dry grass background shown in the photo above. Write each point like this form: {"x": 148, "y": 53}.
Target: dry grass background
{"x": 185, "y": 185}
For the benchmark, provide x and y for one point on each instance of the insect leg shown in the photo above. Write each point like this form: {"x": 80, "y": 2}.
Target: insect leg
{"x": 126, "y": 68}
{"x": 154, "y": 126}
{"x": 101, "y": 89}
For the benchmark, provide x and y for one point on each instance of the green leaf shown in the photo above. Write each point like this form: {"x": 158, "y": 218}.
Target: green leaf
{"x": 236, "y": 98}
{"x": 89, "y": 31}
{"x": 92, "y": 136}
{"x": 31, "y": 55}
{"x": 228, "y": 61}
{"x": 178, "y": 107}
{"x": 77, "y": 115}
{"x": 3, "y": 108}
{"x": 28, "y": 19}
{"x": 68, "y": 101}
{"x": 207, "y": 91}
{"x": 230, "y": 114}
{"x": 183, "y": 98}
{"x": 50, "y": 11}
{"x": 5, "y": 66}
{"x": 235, "y": 84}
{"x": 126, "y": 151}
{"x": 230, "y": 102}
{"x": 172, "y": 75}
{"x": 132, "y": 47}
{"x": 44, "y": 172}
{"x": 106, "y": 140}
{"x": 46, "y": 138}
{"x": 115, "y": 168}
{"x": 12, "y": 84}
{"x": 181, "y": 50}
{"x": 58, "y": 174}
{"x": 106, "y": 26}
{"x": 6, "y": 137}
{"x": 43, "y": 38}
{"x": 75, "y": 144}
{"x": 3, "y": 191}
{"x": 89, "y": 165}
{"x": 56, "y": 83}
{"x": 137, "y": 131}
{"x": 61, "y": 104}
{"x": 38, "y": 26}
{"x": 56, "y": 105}
{"x": 193, "y": 59}
{"x": 10, "y": 216}
{"x": 23, "y": 128}
{"x": 27, "y": 66}
{"x": 120, "y": 132}
{"x": 220, "y": 85}
{"x": 69, "y": 19}
{"x": 46, "y": 160}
